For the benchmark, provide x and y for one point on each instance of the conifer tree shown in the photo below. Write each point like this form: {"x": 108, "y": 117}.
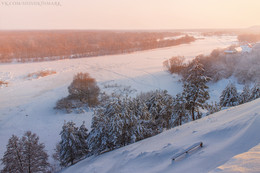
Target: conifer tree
{"x": 245, "y": 95}
{"x": 255, "y": 92}
{"x": 83, "y": 145}
{"x": 159, "y": 104}
{"x": 69, "y": 144}
{"x": 179, "y": 114}
{"x": 145, "y": 126}
{"x": 195, "y": 88}
{"x": 98, "y": 137}
{"x": 229, "y": 96}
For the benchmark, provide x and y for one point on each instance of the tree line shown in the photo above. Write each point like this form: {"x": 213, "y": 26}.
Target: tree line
{"x": 24, "y": 46}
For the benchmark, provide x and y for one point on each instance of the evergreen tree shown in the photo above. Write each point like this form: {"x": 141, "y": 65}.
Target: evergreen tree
{"x": 98, "y": 139}
{"x": 195, "y": 88}
{"x": 159, "y": 104}
{"x": 69, "y": 144}
{"x": 179, "y": 114}
{"x": 229, "y": 96}
{"x": 25, "y": 155}
{"x": 255, "y": 92}
{"x": 145, "y": 126}
{"x": 245, "y": 95}
{"x": 83, "y": 145}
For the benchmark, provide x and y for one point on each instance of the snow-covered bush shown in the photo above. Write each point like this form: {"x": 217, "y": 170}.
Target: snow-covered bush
{"x": 175, "y": 64}
{"x": 85, "y": 89}
{"x": 83, "y": 93}
{"x": 229, "y": 96}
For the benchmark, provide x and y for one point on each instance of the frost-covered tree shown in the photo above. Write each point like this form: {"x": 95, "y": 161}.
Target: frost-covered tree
{"x": 13, "y": 159}
{"x": 255, "y": 91}
{"x": 25, "y": 155}
{"x": 98, "y": 137}
{"x": 159, "y": 104}
{"x": 146, "y": 125}
{"x": 245, "y": 95}
{"x": 35, "y": 155}
{"x": 83, "y": 145}
{"x": 229, "y": 96}
{"x": 72, "y": 144}
{"x": 212, "y": 108}
{"x": 195, "y": 88}
{"x": 179, "y": 114}
{"x": 120, "y": 122}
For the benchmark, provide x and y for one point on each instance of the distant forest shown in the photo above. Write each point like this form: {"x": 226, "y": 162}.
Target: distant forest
{"x": 251, "y": 38}
{"x": 28, "y": 46}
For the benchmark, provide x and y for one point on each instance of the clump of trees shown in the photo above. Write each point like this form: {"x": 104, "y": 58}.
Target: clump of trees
{"x": 83, "y": 92}
{"x": 218, "y": 65}
{"x": 125, "y": 120}
{"x": 230, "y": 96}
{"x": 25, "y": 154}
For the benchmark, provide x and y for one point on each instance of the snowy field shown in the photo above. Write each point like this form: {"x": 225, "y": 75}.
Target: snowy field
{"x": 27, "y": 103}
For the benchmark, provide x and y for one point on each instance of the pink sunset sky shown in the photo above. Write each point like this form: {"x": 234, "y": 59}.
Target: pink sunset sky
{"x": 129, "y": 14}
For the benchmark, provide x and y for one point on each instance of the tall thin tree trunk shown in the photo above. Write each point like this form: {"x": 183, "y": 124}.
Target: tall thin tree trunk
{"x": 192, "y": 114}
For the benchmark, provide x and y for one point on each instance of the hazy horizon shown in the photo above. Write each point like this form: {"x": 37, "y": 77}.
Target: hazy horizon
{"x": 128, "y": 14}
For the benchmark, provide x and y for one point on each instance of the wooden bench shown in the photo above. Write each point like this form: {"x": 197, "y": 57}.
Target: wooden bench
{"x": 186, "y": 151}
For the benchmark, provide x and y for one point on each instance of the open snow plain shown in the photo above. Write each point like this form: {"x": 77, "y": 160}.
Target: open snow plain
{"x": 27, "y": 103}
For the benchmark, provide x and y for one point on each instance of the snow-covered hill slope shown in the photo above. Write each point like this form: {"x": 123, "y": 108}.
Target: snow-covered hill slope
{"x": 224, "y": 134}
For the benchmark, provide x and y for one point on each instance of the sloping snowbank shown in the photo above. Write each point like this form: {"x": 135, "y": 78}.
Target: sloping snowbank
{"x": 224, "y": 134}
